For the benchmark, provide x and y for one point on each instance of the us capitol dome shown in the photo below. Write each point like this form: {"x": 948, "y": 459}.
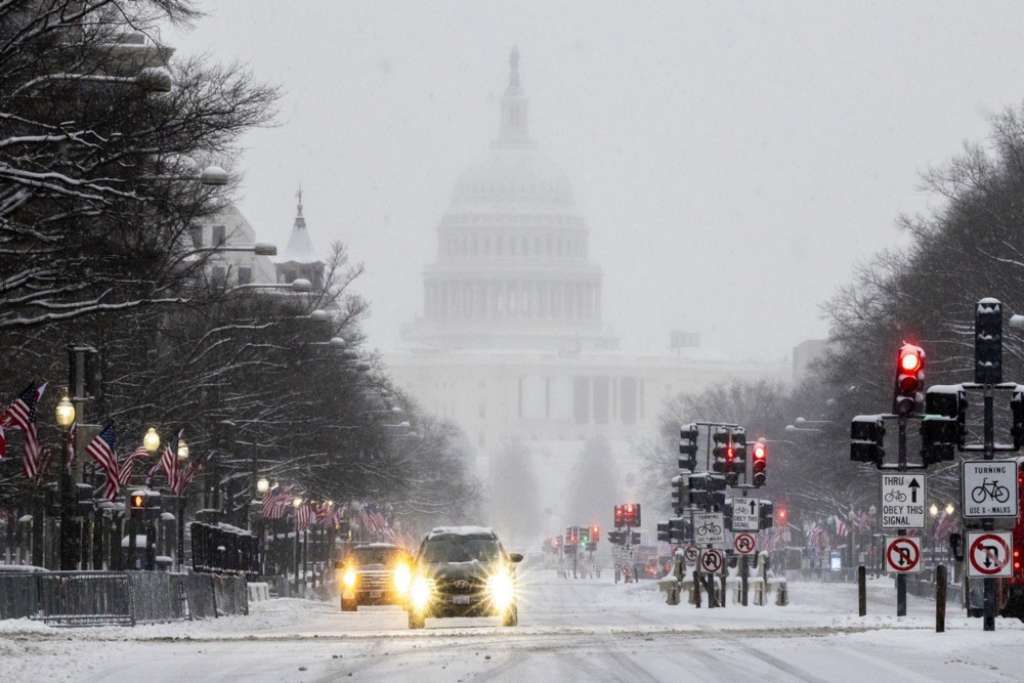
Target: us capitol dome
{"x": 512, "y": 270}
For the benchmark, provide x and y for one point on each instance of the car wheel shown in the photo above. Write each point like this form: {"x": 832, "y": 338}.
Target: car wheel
{"x": 349, "y": 605}
{"x": 511, "y": 617}
{"x": 417, "y": 620}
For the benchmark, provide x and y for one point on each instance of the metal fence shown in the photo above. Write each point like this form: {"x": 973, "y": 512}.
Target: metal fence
{"x": 125, "y": 598}
{"x": 219, "y": 549}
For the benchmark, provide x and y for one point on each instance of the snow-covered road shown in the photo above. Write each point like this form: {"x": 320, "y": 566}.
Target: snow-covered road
{"x": 570, "y": 630}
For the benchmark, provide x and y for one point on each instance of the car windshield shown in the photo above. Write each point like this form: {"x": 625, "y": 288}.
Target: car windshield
{"x": 375, "y": 555}
{"x": 442, "y": 549}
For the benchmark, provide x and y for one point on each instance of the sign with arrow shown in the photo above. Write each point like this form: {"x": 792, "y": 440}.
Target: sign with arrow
{"x": 902, "y": 555}
{"x": 903, "y": 499}
{"x": 745, "y": 514}
{"x": 989, "y": 553}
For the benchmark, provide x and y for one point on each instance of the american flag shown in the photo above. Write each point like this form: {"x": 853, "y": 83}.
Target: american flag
{"x": 124, "y": 472}
{"x": 21, "y": 414}
{"x": 275, "y": 504}
{"x": 101, "y": 450}
{"x": 303, "y": 516}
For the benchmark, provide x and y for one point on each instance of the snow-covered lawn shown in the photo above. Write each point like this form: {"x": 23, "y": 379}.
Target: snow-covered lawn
{"x": 569, "y": 630}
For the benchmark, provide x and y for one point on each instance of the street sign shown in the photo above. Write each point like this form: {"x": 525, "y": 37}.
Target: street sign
{"x": 989, "y": 553}
{"x": 712, "y": 561}
{"x": 989, "y": 488}
{"x": 709, "y": 529}
{"x": 745, "y": 543}
{"x": 745, "y": 514}
{"x": 902, "y": 554}
{"x": 903, "y": 499}
{"x": 691, "y": 554}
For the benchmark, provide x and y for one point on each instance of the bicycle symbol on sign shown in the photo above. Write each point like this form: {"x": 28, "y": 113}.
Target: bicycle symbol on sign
{"x": 709, "y": 529}
{"x": 990, "y": 489}
{"x": 896, "y": 496}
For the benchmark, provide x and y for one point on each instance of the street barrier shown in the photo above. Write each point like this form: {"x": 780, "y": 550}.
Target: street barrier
{"x": 76, "y": 598}
{"x": 258, "y": 591}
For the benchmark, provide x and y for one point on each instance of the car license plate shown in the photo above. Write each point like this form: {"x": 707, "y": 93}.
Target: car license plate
{"x": 376, "y": 594}
{"x": 461, "y": 599}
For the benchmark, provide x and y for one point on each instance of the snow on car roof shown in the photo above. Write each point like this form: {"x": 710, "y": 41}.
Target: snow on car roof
{"x": 462, "y": 531}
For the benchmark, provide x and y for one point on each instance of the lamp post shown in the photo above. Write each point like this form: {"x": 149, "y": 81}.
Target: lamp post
{"x": 296, "y": 503}
{"x": 182, "y": 452}
{"x": 65, "y": 417}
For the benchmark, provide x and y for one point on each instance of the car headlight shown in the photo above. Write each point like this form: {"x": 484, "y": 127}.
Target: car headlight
{"x": 402, "y": 578}
{"x": 421, "y": 592}
{"x": 501, "y": 590}
{"x": 349, "y": 577}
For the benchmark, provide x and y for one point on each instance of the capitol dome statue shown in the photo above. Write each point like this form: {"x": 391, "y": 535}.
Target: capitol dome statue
{"x": 512, "y": 269}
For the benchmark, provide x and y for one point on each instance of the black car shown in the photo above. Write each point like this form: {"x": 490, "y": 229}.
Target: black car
{"x": 374, "y": 574}
{"x": 463, "y": 572}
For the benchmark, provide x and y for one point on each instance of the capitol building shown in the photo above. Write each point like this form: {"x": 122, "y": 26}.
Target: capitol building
{"x": 512, "y": 341}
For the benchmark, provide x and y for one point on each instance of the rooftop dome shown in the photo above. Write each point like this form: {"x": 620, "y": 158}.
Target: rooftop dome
{"x": 514, "y": 176}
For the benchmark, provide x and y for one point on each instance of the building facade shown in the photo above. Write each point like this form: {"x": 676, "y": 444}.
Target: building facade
{"x": 512, "y": 342}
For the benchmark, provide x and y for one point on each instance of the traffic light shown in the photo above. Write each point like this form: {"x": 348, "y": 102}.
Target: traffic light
{"x": 144, "y": 504}
{"x": 909, "y": 379}
{"x": 867, "y": 435}
{"x": 767, "y": 514}
{"x": 722, "y": 452}
{"x": 680, "y": 492}
{"x": 1017, "y": 410}
{"x": 738, "y": 437}
{"x": 988, "y": 342}
{"x": 760, "y": 453}
{"x": 706, "y": 482}
{"x": 943, "y": 427}
{"x": 663, "y": 532}
{"x": 688, "y": 447}
{"x": 595, "y": 534}
{"x": 634, "y": 538}
{"x": 678, "y": 529}
{"x": 617, "y": 537}
{"x": 620, "y": 516}
{"x": 632, "y": 514}
{"x": 727, "y": 514}
{"x": 583, "y": 535}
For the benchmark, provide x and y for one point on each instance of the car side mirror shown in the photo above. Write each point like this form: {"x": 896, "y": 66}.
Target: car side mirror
{"x": 515, "y": 557}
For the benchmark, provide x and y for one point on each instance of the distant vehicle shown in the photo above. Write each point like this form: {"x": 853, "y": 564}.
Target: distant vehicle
{"x": 463, "y": 572}
{"x": 374, "y": 574}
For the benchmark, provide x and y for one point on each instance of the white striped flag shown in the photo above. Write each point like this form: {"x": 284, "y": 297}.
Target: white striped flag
{"x": 275, "y": 504}
{"x": 101, "y": 450}
{"x": 21, "y": 414}
{"x": 303, "y": 516}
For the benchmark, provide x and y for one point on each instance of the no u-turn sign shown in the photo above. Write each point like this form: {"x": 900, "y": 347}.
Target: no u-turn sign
{"x": 903, "y": 555}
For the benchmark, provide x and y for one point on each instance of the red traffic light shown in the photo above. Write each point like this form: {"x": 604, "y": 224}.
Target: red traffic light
{"x": 782, "y": 514}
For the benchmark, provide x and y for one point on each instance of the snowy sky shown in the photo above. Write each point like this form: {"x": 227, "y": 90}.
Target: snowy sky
{"x": 734, "y": 160}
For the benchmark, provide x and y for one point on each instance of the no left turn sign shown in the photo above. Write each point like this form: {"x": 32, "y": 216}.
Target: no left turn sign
{"x": 903, "y": 554}
{"x": 711, "y": 561}
{"x": 745, "y": 544}
{"x": 989, "y": 553}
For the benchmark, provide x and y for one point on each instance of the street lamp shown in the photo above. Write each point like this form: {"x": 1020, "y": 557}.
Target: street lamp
{"x": 296, "y": 502}
{"x": 263, "y": 485}
{"x": 65, "y": 412}
{"x": 933, "y": 510}
{"x": 182, "y": 450}
{"x": 151, "y": 441}
{"x": 950, "y": 508}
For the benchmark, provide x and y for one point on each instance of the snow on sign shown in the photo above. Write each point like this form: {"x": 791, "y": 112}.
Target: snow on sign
{"x": 744, "y": 543}
{"x": 709, "y": 529}
{"x": 989, "y": 553}
{"x": 903, "y": 498}
{"x": 989, "y": 488}
{"x": 745, "y": 514}
{"x": 902, "y": 554}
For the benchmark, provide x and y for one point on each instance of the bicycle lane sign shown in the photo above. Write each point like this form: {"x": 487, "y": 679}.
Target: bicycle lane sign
{"x": 709, "y": 529}
{"x": 903, "y": 501}
{"x": 989, "y": 488}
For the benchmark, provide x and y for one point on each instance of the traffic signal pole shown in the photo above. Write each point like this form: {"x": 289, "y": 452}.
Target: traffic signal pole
{"x": 901, "y": 578}
{"x": 988, "y": 523}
